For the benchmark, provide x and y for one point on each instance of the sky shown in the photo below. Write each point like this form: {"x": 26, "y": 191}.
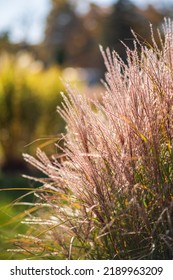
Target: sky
{"x": 25, "y": 19}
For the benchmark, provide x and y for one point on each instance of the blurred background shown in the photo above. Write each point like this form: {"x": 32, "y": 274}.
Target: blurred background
{"x": 44, "y": 42}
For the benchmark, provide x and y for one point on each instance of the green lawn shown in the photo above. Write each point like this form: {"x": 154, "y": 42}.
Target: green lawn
{"x": 13, "y": 190}
{"x": 10, "y": 227}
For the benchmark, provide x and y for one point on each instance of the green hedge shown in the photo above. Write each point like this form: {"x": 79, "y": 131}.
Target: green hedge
{"x": 29, "y": 96}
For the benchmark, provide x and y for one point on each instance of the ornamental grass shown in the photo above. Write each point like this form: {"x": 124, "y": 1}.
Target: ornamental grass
{"x": 109, "y": 193}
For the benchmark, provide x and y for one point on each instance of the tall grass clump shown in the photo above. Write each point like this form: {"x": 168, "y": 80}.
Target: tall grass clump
{"x": 110, "y": 194}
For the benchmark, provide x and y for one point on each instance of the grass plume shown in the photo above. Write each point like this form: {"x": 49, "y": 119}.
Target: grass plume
{"x": 110, "y": 195}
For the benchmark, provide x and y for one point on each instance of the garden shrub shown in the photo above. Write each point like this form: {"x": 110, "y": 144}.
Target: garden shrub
{"x": 28, "y": 98}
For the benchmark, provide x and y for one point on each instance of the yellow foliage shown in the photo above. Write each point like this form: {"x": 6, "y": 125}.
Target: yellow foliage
{"x": 29, "y": 95}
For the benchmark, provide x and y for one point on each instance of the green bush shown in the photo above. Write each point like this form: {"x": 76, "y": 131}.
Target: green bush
{"x": 28, "y": 99}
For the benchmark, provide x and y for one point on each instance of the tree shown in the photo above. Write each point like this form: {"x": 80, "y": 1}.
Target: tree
{"x": 124, "y": 17}
{"x": 65, "y": 35}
